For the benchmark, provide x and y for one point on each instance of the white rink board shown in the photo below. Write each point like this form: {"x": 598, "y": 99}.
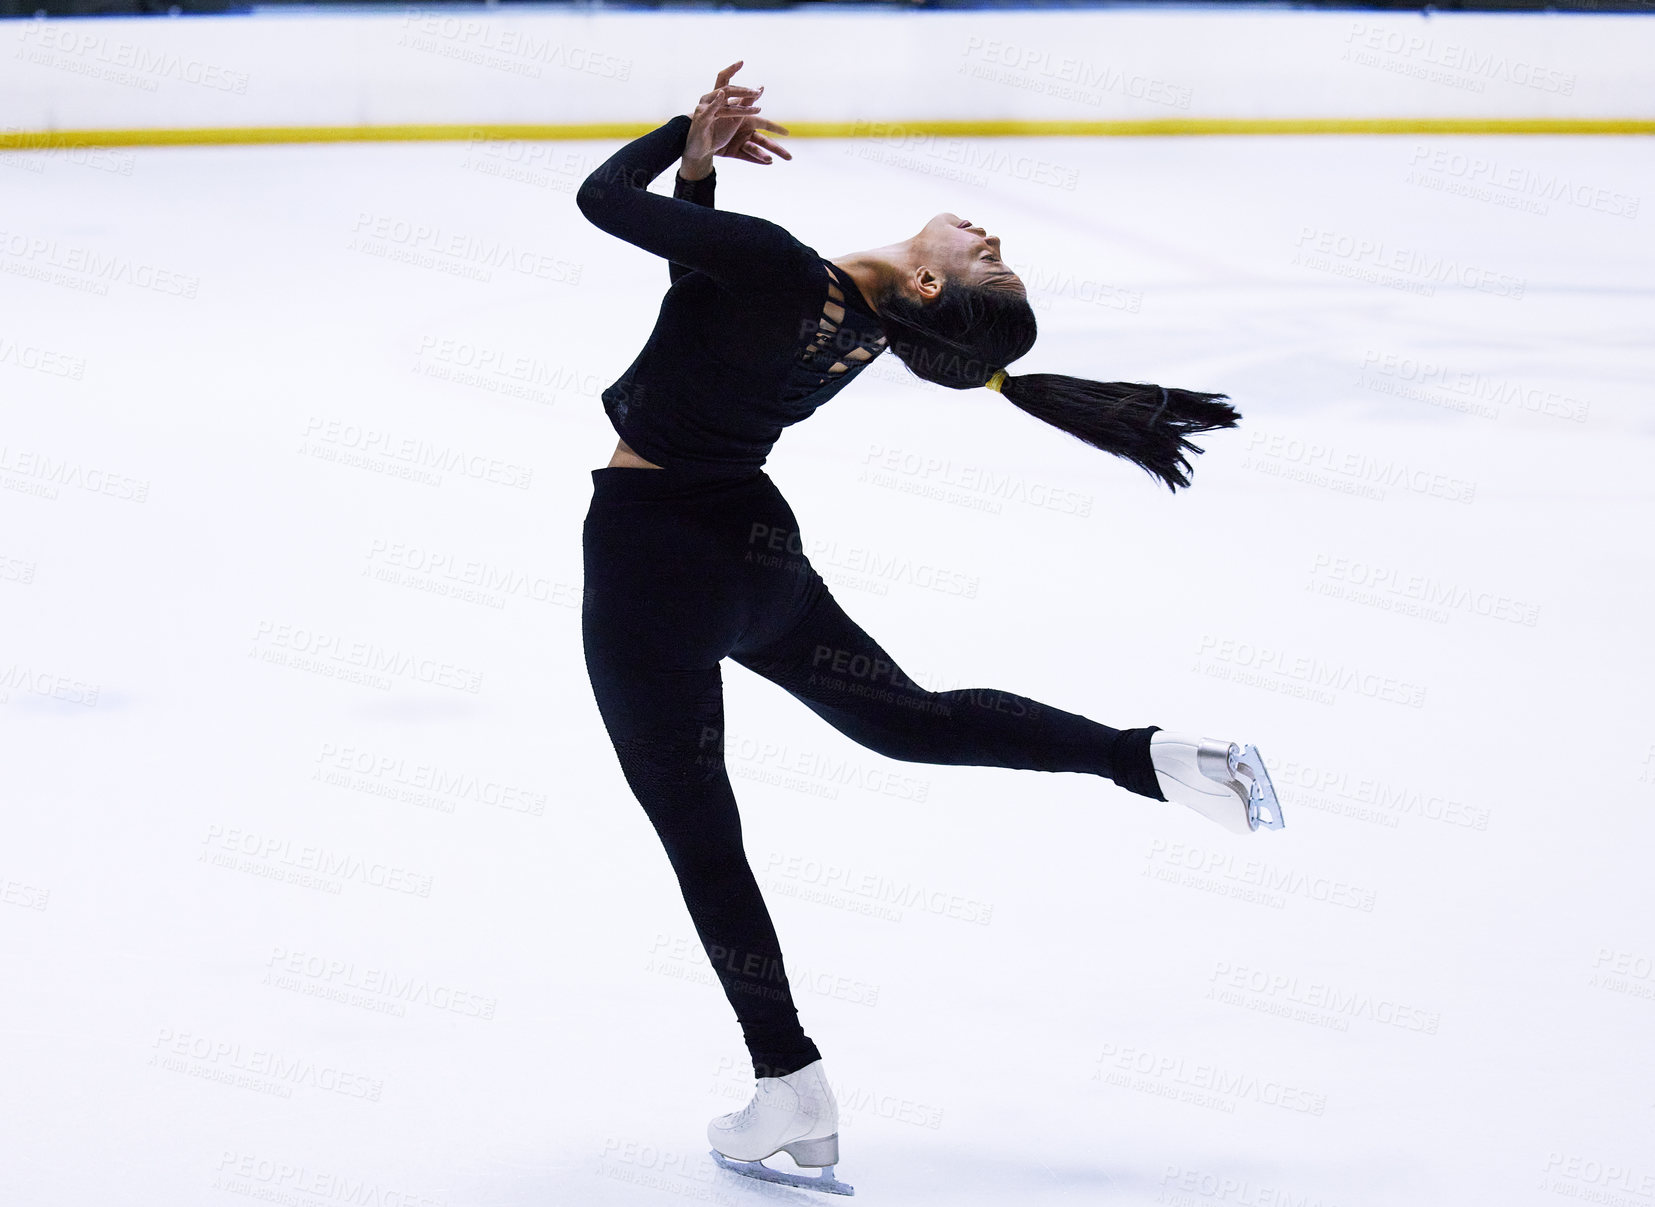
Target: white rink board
{"x": 1442, "y": 994}
{"x": 561, "y": 66}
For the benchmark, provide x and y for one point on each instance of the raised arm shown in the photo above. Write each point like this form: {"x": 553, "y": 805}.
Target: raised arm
{"x": 696, "y": 192}
{"x": 738, "y": 251}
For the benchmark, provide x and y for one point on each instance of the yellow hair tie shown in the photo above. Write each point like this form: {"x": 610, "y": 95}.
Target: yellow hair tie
{"x": 999, "y": 379}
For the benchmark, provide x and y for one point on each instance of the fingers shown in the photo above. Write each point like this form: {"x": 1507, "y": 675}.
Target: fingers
{"x": 732, "y": 90}
{"x": 738, "y": 102}
{"x": 731, "y": 101}
{"x": 755, "y": 148}
{"x": 721, "y": 97}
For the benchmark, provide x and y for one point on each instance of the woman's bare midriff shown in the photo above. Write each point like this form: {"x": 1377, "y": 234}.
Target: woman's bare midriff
{"x": 625, "y": 458}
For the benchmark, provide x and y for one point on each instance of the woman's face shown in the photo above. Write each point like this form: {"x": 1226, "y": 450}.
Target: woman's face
{"x": 956, "y": 250}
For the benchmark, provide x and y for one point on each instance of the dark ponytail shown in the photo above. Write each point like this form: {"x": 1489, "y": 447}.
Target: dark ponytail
{"x": 1148, "y": 425}
{"x": 962, "y": 336}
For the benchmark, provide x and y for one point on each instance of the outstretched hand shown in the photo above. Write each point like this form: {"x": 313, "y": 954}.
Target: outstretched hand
{"x": 726, "y": 122}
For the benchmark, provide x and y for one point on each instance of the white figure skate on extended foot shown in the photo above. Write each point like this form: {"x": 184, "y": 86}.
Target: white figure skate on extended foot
{"x": 1222, "y": 781}
{"x": 797, "y": 1115}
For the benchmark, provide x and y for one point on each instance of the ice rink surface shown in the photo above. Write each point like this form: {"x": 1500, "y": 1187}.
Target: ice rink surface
{"x": 319, "y": 882}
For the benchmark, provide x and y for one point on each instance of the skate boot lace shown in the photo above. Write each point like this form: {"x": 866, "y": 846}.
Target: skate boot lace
{"x": 746, "y": 1112}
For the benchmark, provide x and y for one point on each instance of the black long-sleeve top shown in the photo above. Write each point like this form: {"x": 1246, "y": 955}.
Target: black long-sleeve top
{"x": 755, "y": 332}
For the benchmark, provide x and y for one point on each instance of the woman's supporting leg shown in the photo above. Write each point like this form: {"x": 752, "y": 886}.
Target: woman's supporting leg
{"x": 668, "y": 732}
{"x": 834, "y": 667}
{"x": 665, "y": 598}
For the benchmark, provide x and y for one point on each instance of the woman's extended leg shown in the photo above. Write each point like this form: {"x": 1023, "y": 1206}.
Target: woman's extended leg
{"x": 827, "y": 661}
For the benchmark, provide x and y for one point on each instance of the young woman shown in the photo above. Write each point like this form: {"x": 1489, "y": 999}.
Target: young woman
{"x": 693, "y": 556}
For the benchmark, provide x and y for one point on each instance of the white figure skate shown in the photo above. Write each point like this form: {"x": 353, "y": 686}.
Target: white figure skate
{"x": 1219, "y": 780}
{"x": 797, "y": 1115}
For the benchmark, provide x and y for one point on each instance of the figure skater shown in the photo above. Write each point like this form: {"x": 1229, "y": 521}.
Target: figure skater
{"x": 692, "y": 555}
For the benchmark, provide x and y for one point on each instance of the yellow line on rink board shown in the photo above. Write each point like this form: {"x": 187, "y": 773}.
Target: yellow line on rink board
{"x": 40, "y": 140}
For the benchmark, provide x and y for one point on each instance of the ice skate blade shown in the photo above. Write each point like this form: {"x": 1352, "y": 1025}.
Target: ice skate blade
{"x": 1263, "y": 809}
{"x": 824, "y": 1181}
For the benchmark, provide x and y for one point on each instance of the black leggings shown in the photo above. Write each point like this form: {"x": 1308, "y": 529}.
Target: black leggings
{"x": 683, "y": 570}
